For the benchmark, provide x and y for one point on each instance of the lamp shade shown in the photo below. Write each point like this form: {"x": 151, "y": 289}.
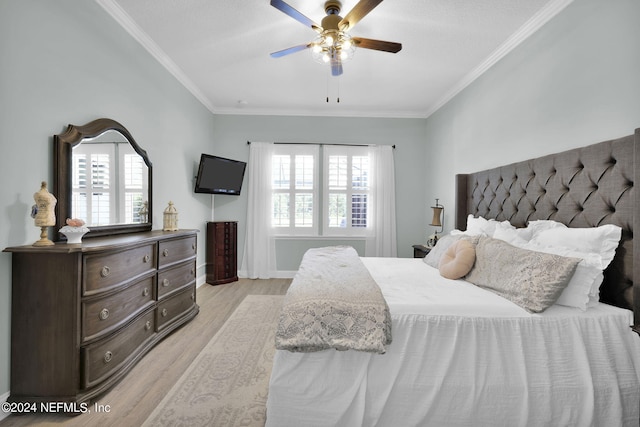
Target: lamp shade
{"x": 437, "y": 213}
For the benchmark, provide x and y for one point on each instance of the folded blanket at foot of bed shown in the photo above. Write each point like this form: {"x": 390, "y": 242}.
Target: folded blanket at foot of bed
{"x": 333, "y": 302}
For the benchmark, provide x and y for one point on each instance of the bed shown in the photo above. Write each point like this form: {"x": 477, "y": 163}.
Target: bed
{"x": 460, "y": 354}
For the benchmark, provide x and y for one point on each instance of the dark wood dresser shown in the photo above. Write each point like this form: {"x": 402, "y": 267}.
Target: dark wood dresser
{"x": 222, "y": 252}
{"x": 83, "y": 314}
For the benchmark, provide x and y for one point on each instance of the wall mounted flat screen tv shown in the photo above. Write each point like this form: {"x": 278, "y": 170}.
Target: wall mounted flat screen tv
{"x": 217, "y": 175}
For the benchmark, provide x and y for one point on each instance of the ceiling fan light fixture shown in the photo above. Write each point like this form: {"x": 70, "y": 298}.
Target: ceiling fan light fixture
{"x": 328, "y": 40}
{"x": 332, "y": 44}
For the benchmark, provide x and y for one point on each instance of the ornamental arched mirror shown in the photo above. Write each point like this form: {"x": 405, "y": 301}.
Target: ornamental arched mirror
{"x": 103, "y": 177}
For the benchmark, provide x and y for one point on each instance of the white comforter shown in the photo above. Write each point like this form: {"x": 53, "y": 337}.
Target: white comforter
{"x": 463, "y": 356}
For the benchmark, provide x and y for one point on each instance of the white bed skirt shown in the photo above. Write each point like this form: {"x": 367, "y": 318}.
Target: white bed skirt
{"x": 564, "y": 367}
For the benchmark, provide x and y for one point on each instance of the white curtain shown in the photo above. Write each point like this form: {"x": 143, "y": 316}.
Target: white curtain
{"x": 259, "y": 256}
{"x": 381, "y": 240}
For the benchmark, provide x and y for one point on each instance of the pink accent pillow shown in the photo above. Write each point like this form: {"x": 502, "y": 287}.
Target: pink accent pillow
{"x": 458, "y": 260}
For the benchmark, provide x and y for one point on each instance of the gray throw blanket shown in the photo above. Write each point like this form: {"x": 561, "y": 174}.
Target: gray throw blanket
{"x": 333, "y": 302}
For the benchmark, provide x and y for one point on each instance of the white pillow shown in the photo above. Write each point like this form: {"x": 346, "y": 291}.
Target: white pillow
{"x": 596, "y": 246}
{"x": 519, "y": 236}
{"x": 483, "y": 227}
{"x": 538, "y": 225}
{"x": 510, "y": 234}
{"x": 601, "y": 240}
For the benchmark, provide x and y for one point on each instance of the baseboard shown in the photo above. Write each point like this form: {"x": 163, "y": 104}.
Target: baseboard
{"x": 279, "y": 274}
{"x": 3, "y": 400}
{"x": 201, "y": 280}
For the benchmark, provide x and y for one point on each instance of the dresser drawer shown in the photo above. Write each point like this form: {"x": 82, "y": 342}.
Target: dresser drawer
{"x": 174, "y": 251}
{"x": 103, "y": 358}
{"x": 175, "y": 306}
{"x": 104, "y": 272}
{"x": 174, "y": 278}
{"x": 102, "y": 315}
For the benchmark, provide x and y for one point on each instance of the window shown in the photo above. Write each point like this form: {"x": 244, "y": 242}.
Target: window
{"x": 301, "y": 194}
{"x": 346, "y": 189}
{"x": 134, "y": 187}
{"x": 94, "y": 186}
{"x": 91, "y": 191}
{"x": 295, "y": 190}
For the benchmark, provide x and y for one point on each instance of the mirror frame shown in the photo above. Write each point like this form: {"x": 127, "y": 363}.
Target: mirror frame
{"x": 62, "y": 151}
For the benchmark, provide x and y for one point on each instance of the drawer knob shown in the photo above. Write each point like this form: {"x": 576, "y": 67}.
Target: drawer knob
{"x": 147, "y": 325}
{"x": 193, "y": 296}
{"x": 165, "y": 282}
{"x": 146, "y": 258}
{"x": 164, "y": 312}
{"x": 193, "y": 246}
{"x": 104, "y": 314}
{"x": 165, "y": 252}
{"x": 145, "y": 292}
{"x": 105, "y": 271}
{"x": 193, "y": 271}
{"x": 107, "y": 357}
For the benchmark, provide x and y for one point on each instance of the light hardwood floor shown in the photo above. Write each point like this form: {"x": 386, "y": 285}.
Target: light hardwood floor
{"x": 132, "y": 400}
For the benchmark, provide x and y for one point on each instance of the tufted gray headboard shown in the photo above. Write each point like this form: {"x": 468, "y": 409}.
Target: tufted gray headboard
{"x": 583, "y": 187}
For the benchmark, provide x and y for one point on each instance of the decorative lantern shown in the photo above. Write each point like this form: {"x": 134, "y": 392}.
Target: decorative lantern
{"x": 144, "y": 212}
{"x": 170, "y": 217}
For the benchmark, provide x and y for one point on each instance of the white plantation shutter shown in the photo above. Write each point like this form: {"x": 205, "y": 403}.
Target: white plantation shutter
{"x": 346, "y": 190}
{"x": 295, "y": 192}
{"x": 349, "y": 191}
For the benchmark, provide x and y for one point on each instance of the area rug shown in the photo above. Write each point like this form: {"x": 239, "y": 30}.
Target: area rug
{"x": 227, "y": 384}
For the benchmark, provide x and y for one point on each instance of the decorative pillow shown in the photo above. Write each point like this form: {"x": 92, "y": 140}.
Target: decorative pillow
{"x": 584, "y": 286}
{"x": 533, "y": 280}
{"x": 458, "y": 260}
{"x": 595, "y": 246}
{"x": 433, "y": 257}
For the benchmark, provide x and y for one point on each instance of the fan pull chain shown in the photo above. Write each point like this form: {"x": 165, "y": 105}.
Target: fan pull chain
{"x": 329, "y": 78}
{"x": 327, "y": 86}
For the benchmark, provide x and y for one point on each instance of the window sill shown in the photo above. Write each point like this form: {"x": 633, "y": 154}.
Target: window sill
{"x": 337, "y": 237}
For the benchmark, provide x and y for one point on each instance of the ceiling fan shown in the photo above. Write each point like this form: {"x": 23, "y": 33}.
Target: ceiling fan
{"x": 333, "y": 44}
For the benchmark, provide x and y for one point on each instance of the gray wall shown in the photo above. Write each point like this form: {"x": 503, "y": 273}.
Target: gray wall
{"x": 574, "y": 82}
{"x": 233, "y": 132}
{"x": 68, "y": 61}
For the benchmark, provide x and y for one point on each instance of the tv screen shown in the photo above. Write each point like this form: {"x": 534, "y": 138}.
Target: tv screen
{"x": 217, "y": 175}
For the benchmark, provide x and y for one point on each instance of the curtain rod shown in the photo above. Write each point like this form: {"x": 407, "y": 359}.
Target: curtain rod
{"x": 316, "y": 143}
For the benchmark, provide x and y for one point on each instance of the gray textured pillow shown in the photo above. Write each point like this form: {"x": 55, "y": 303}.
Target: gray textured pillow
{"x": 433, "y": 257}
{"x": 532, "y": 280}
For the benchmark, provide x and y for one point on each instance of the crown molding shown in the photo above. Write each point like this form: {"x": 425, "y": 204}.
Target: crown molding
{"x": 531, "y": 26}
{"x": 143, "y": 38}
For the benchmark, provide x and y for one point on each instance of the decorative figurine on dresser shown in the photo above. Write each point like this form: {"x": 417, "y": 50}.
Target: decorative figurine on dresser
{"x": 90, "y": 311}
{"x": 43, "y": 213}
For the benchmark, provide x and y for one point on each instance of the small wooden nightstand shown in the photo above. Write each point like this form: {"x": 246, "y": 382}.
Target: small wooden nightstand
{"x": 420, "y": 251}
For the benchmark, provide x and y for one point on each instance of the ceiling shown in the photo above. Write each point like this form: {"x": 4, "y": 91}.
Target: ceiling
{"x": 219, "y": 50}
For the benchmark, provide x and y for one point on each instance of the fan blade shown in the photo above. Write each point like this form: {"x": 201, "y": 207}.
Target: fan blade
{"x": 377, "y": 44}
{"x": 336, "y": 66}
{"x": 293, "y": 49}
{"x": 292, "y": 12}
{"x": 358, "y": 12}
